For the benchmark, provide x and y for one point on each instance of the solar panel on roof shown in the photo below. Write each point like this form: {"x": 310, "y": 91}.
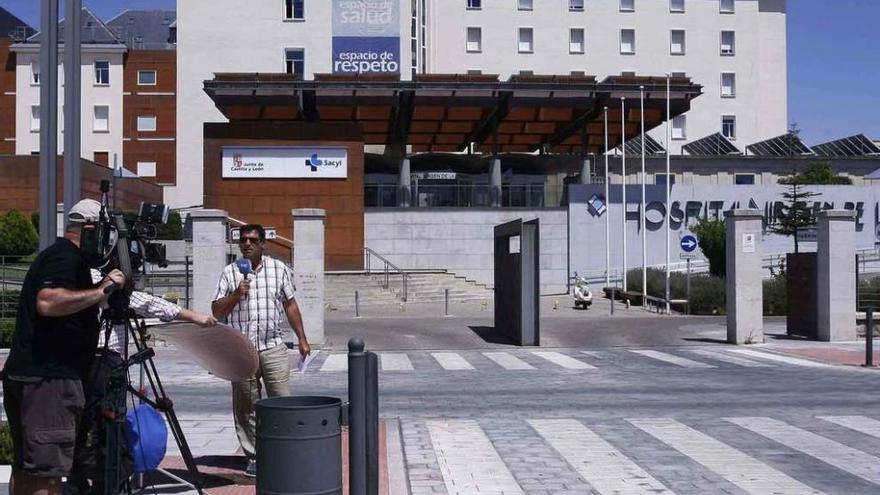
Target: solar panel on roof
{"x": 713, "y": 145}
{"x": 784, "y": 145}
{"x": 857, "y": 145}
{"x": 634, "y": 146}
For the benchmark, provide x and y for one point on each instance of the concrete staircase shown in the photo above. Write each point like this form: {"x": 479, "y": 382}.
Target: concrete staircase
{"x": 422, "y": 287}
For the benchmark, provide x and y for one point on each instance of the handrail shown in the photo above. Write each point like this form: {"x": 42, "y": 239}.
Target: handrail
{"x": 387, "y": 264}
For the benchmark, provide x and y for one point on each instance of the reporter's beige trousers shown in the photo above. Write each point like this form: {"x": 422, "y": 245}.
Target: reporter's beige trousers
{"x": 274, "y": 371}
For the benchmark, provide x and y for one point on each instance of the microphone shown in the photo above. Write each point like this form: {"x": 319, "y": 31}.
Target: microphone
{"x": 244, "y": 266}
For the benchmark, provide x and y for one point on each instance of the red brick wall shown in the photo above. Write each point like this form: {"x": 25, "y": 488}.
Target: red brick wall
{"x": 20, "y": 178}
{"x": 7, "y": 102}
{"x": 144, "y": 100}
{"x": 269, "y": 201}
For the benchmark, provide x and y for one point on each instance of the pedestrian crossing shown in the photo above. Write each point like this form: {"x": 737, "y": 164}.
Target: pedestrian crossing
{"x": 654, "y": 455}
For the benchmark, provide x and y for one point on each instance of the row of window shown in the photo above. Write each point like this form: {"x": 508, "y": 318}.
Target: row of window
{"x": 738, "y": 179}
{"x": 577, "y": 41}
{"x": 102, "y": 74}
{"x": 100, "y": 120}
{"x": 679, "y": 127}
{"x": 677, "y": 6}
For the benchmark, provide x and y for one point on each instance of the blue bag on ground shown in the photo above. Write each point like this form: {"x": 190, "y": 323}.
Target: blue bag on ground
{"x": 147, "y": 437}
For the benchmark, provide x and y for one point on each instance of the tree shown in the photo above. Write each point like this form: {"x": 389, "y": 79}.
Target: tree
{"x": 795, "y": 215}
{"x": 712, "y": 236}
{"x": 817, "y": 173}
{"x": 17, "y": 235}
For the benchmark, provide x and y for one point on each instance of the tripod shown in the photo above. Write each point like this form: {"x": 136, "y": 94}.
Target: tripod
{"x": 124, "y": 323}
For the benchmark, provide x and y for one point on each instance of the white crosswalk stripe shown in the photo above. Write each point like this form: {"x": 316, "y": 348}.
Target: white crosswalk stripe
{"x": 861, "y": 424}
{"x": 335, "y": 362}
{"x": 727, "y": 358}
{"x": 671, "y": 359}
{"x": 746, "y": 472}
{"x": 604, "y": 467}
{"x": 826, "y": 450}
{"x": 395, "y": 362}
{"x": 564, "y": 361}
{"x": 508, "y": 361}
{"x": 451, "y": 361}
{"x": 779, "y": 358}
{"x": 468, "y": 461}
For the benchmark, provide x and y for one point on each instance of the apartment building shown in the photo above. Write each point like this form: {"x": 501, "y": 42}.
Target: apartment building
{"x": 11, "y": 29}
{"x": 128, "y": 92}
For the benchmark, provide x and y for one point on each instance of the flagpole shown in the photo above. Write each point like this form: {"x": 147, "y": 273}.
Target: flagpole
{"x": 668, "y": 185}
{"x": 642, "y": 209}
{"x": 623, "y": 176}
{"x": 608, "y": 211}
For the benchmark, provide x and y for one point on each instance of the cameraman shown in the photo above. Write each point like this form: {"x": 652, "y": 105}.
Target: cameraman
{"x": 56, "y": 334}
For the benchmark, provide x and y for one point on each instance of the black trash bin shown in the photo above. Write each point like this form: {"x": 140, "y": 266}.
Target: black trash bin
{"x": 299, "y": 445}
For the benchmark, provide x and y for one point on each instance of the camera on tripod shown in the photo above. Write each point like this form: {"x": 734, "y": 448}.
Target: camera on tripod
{"x": 116, "y": 236}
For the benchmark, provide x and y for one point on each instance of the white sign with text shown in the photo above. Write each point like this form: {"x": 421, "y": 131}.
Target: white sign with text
{"x": 285, "y": 162}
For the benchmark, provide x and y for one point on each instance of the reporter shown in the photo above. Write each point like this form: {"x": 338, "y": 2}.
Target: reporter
{"x": 56, "y": 334}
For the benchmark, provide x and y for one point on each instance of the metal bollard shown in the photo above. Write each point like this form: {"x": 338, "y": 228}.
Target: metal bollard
{"x": 357, "y": 435}
{"x": 446, "y": 300}
{"x": 372, "y": 420}
{"x": 869, "y": 338}
{"x": 612, "y": 301}
{"x": 357, "y": 305}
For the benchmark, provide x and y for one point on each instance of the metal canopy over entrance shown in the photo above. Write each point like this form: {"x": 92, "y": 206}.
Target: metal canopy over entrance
{"x": 451, "y": 113}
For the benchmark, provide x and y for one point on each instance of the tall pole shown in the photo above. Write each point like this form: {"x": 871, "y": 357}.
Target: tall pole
{"x": 72, "y": 108}
{"x": 623, "y": 175}
{"x": 48, "y": 120}
{"x": 642, "y": 209}
{"x": 668, "y": 185}
{"x": 608, "y": 211}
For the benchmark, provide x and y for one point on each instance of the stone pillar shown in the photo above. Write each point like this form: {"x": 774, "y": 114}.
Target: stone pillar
{"x": 209, "y": 247}
{"x": 404, "y": 185}
{"x": 60, "y": 220}
{"x": 308, "y": 269}
{"x": 745, "y": 308}
{"x": 836, "y": 276}
{"x": 495, "y": 184}
{"x": 586, "y": 168}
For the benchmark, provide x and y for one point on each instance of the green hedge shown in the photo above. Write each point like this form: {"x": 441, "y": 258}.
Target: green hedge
{"x": 7, "y": 329}
{"x": 18, "y": 237}
{"x": 5, "y": 444}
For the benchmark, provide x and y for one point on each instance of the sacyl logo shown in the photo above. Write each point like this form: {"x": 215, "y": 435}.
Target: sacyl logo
{"x": 314, "y": 162}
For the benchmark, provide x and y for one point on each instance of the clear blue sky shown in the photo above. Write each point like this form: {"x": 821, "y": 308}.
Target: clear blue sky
{"x": 833, "y": 61}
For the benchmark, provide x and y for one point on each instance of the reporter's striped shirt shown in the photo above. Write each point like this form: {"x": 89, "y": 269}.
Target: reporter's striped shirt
{"x": 260, "y": 314}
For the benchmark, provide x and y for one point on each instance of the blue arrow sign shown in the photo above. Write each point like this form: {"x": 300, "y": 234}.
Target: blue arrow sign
{"x": 688, "y": 243}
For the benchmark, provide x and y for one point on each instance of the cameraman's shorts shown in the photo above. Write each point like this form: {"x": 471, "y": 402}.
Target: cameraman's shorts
{"x": 43, "y": 416}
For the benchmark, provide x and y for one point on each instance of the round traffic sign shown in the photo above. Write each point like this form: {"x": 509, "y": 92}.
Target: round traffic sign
{"x": 688, "y": 243}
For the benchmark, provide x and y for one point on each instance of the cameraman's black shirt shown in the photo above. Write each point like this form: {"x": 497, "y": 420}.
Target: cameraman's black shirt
{"x": 54, "y": 347}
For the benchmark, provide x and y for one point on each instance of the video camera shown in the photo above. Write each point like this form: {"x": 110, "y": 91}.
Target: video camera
{"x": 123, "y": 241}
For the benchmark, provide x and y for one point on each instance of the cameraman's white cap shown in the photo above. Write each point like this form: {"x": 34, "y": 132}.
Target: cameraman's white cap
{"x": 85, "y": 210}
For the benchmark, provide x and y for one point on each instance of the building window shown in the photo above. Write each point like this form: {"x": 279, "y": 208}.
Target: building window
{"x": 101, "y": 121}
{"x": 524, "y": 5}
{"x": 744, "y": 179}
{"x": 35, "y": 118}
{"x": 727, "y": 6}
{"x": 627, "y": 5}
{"x": 146, "y": 78}
{"x": 146, "y": 123}
{"x": 35, "y": 73}
{"x": 676, "y": 5}
{"x": 679, "y": 127}
{"x": 294, "y": 10}
{"x": 474, "y": 39}
{"x": 474, "y": 72}
{"x": 102, "y": 72}
{"x": 146, "y": 169}
{"x": 728, "y": 126}
{"x": 577, "y": 73}
{"x": 526, "y": 40}
{"x": 660, "y": 179}
{"x": 576, "y": 5}
{"x": 576, "y": 40}
{"x": 728, "y": 42}
{"x": 677, "y": 42}
{"x": 295, "y": 61}
{"x": 628, "y": 73}
{"x": 527, "y": 73}
{"x": 678, "y": 75}
{"x": 628, "y": 41}
{"x": 728, "y": 85}
{"x": 474, "y": 4}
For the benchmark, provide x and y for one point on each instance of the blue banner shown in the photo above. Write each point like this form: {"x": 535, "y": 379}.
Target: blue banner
{"x": 366, "y": 36}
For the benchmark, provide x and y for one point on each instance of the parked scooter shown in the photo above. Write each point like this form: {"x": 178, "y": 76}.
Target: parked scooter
{"x": 582, "y": 295}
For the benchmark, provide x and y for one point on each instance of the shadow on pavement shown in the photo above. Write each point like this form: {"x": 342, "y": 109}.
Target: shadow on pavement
{"x": 490, "y": 336}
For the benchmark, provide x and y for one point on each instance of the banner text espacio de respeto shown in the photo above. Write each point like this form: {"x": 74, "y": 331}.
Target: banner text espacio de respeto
{"x": 366, "y": 36}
